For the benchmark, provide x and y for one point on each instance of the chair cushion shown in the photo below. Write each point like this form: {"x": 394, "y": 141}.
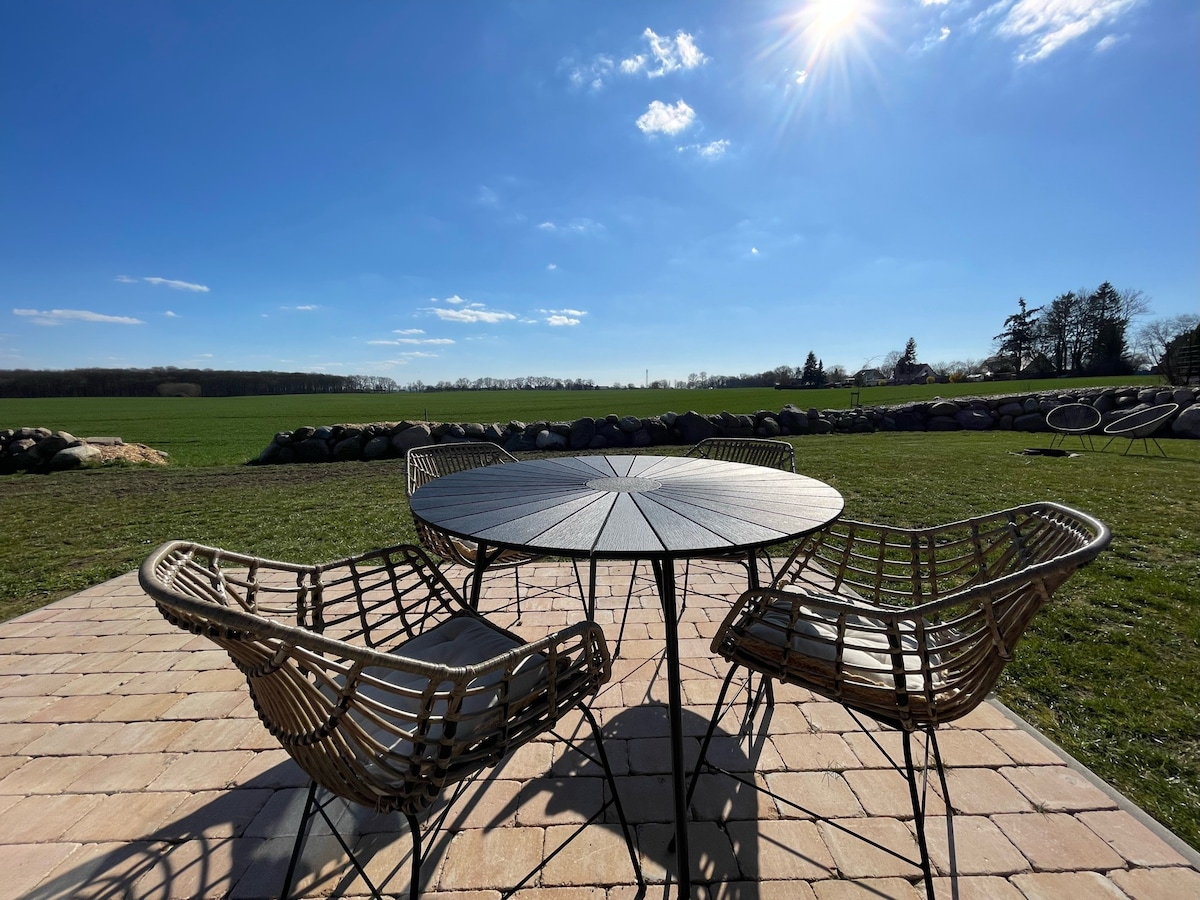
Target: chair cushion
{"x": 865, "y": 653}
{"x": 461, "y": 641}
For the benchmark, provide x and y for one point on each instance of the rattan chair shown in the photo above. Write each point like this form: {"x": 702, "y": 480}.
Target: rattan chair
{"x": 378, "y": 679}
{"x": 909, "y": 627}
{"x": 427, "y": 463}
{"x": 1078, "y": 419}
{"x": 1141, "y": 426}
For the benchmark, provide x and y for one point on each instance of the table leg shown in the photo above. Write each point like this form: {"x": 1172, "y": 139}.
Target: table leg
{"x": 481, "y": 562}
{"x": 664, "y": 574}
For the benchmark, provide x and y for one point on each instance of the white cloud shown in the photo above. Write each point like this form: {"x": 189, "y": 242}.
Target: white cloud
{"x": 1109, "y": 41}
{"x": 306, "y": 308}
{"x": 574, "y": 226}
{"x": 563, "y": 312}
{"x": 669, "y": 55}
{"x": 177, "y": 285}
{"x": 662, "y": 118}
{"x": 711, "y": 150}
{"x": 409, "y": 331}
{"x": 801, "y": 76}
{"x": 557, "y": 320}
{"x": 590, "y": 75}
{"x": 454, "y": 301}
{"x": 399, "y": 341}
{"x": 170, "y": 315}
{"x": 125, "y": 279}
{"x": 934, "y": 2}
{"x": 58, "y": 316}
{"x": 472, "y": 314}
{"x": 550, "y": 267}
{"x": 1044, "y": 26}
{"x": 935, "y": 38}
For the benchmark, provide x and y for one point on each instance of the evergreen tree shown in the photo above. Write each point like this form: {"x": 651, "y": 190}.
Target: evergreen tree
{"x": 808, "y": 377}
{"x": 1016, "y": 340}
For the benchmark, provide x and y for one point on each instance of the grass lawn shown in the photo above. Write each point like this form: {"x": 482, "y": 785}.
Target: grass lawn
{"x": 1108, "y": 671}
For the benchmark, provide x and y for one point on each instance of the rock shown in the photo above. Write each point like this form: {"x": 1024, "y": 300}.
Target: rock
{"x": 582, "y": 432}
{"x": 768, "y": 427}
{"x": 495, "y": 434}
{"x": 942, "y": 408}
{"x": 413, "y": 436}
{"x": 974, "y": 419}
{"x": 629, "y": 424}
{"x": 641, "y": 438}
{"x": 613, "y": 436}
{"x": 81, "y": 456}
{"x": 1184, "y": 397}
{"x": 348, "y": 448}
{"x": 693, "y": 427}
{"x": 271, "y": 453}
{"x": 303, "y": 433}
{"x": 1032, "y": 405}
{"x": 943, "y": 423}
{"x": 312, "y": 450}
{"x": 1030, "y": 422}
{"x": 49, "y": 446}
{"x": 377, "y": 447}
{"x": 1187, "y": 423}
{"x": 473, "y": 430}
{"x": 550, "y": 440}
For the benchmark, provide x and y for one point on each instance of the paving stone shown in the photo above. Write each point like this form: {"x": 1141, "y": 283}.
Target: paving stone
{"x": 596, "y": 856}
{"x": 71, "y": 738}
{"x": 25, "y": 866}
{"x": 45, "y": 818}
{"x": 1057, "y": 789}
{"x": 980, "y": 848}
{"x": 48, "y": 774}
{"x": 885, "y": 792}
{"x": 1133, "y": 840}
{"x": 982, "y": 792}
{"x": 1023, "y": 748}
{"x": 511, "y": 853}
{"x": 868, "y": 889}
{"x": 821, "y": 794}
{"x": 815, "y": 752}
{"x": 1159, "y": 884}
{"x": 1067, "y": 886}
{"x": 974, "y": 887}
{"x": 127, "y": 817}
{"x": 1056, "y": 842}
{"x": 856, "y": 858}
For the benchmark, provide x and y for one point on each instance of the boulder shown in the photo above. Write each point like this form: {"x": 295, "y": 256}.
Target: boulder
{"x": 582, "y": 432}
{"x": 942, "y": 409}
{"x": 694, "y": 427}
{"x": 48, "y": 447}
{"x": 413, "y": 436}
{"x": 1187, "y": 423}
{"x": 1184, "y": 397}
{"x": 974, "y": 419}
{"x": 312, "y": 450}
{"x": 377, "y": 447}
{"x": 81, "y": 456}
{"x": 550, "y": 440}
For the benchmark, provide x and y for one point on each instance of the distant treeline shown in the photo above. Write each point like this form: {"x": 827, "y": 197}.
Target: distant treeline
{"x": 169, "y": 381}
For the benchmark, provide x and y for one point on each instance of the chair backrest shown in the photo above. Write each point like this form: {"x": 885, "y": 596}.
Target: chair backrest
{"x": 1143, "y": 423}
{"x": 753, "y": 451}
{"x": 1073, "y": 418}
{"x": 427, "y": 463}
{"x": 371, "y": 672}
{"x": 947, "y": 604}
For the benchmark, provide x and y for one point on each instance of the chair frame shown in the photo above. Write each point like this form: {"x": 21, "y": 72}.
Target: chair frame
{"x": 423, "y": 464}
{"x": 942, "y": 607}
{"x": 1078, "y": 419}
{"x": 1140, "y": 425}
{"x": 323, "y": 651}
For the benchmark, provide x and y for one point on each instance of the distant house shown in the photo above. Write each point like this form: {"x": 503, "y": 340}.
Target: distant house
{"x": 920, "y": 373}
{"x": 870, "y": 377}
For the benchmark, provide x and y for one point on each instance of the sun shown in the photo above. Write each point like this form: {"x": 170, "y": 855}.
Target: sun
{"x": 830, "y": 21}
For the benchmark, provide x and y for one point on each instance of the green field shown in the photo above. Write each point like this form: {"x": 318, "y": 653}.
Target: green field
{"x": 1108, "y": 670}
{"x": 206, "y": 431}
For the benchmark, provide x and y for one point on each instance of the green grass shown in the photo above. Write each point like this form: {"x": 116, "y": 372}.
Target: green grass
{"x": 208, "y": 431}
{"x": 1108, "y": 670}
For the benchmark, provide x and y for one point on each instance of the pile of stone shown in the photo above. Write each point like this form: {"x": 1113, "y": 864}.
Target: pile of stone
{"x": 43, "y": 450}
{"x": 1025, "y": 412}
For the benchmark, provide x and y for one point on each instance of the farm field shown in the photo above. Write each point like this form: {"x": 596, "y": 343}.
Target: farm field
{"x": 204, "y": 431}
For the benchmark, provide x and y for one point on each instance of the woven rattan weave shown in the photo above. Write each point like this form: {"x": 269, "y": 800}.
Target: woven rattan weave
{"x": 372, "y": 672}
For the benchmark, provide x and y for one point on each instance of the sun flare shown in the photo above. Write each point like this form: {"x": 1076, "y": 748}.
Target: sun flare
{"x": 831, "y": 20}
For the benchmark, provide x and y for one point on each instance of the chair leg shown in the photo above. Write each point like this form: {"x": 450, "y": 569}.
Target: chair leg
{"x": 612, "y": 786}
{"x": 625, "y": 615}
{"x": 414, "y": 827}
{"x": 702, "y": 759}
{"x": 918, "y": 807}
{"x": 313, "y": 806}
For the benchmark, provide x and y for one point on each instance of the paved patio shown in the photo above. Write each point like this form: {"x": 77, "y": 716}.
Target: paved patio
{"x": 132, "y": 766}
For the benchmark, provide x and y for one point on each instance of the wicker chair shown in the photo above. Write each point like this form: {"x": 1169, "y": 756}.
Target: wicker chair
{"x": 1078, "y": 419}
{"x": 377, "y": 678}
{"x": 1141, "y": 426}
{"x": 427, "y": 463}
{"x": 909, "y": 627}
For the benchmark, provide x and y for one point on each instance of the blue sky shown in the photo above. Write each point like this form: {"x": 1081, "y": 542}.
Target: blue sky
{"x": 430, "y": 191}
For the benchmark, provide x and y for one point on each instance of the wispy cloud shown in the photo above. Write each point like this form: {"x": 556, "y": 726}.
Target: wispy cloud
{"x": 125, "y": 279}
{"x": 712, "y": 150}
{"x": 177, "y": 285}
{"x": 307, "y": 307}
{"x": 666, "y": 55}
{"x": 562, "y": 317}
{"x": 59, "y": 316}
{"x": 171, "y": 315}
{"x": 663, "y": 118}
{"x": 471, "y": 313}
{"x": 590, "y": 75}
{"x": 406, "y": 341}
{"x": 1109, "y": 41}
{"x": 1044, "y": 26}
{"x": 574, "y": 226}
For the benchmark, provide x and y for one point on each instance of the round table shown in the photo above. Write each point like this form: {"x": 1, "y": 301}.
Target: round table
{"x": 659, "y": 508}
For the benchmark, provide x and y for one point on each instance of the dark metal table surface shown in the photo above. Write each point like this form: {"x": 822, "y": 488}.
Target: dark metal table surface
{"x": 659, "y": 508}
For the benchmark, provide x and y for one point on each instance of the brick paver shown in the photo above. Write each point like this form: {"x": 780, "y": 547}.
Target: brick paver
{"x": 131, "y": 762}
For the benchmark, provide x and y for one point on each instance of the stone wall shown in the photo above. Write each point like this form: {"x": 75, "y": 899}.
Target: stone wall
{"x": 1013, "y": 412}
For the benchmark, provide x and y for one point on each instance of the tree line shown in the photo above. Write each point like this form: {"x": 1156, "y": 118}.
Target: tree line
{"x": 172, "y": 381}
